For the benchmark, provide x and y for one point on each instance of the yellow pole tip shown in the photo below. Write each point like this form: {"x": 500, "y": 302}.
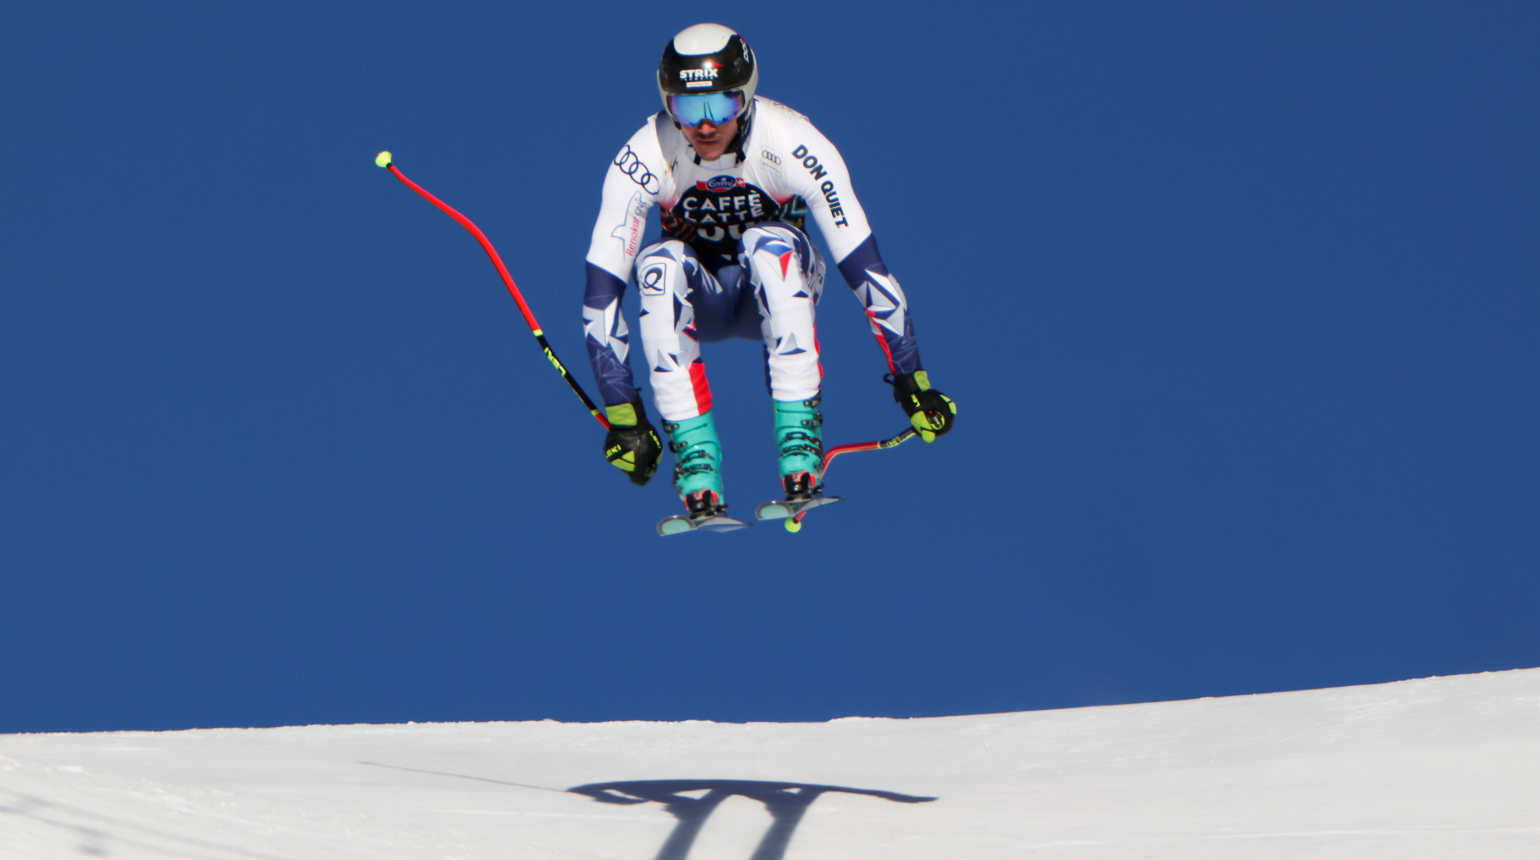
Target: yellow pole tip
{"x": 793, "y": 526}
{"x": 382, "y": 159}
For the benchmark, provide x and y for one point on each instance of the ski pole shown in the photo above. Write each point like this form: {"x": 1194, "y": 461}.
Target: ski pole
{"x": 795, "y": 523}
{"x": 909, "y": 433}
{"x": 383, "y": 159}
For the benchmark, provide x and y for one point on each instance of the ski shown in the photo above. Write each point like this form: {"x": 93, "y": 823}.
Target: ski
{"x": 679, "y": 523}
{"x": 792, "y": 511}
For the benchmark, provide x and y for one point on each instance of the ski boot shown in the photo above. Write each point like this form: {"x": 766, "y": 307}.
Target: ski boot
{"x": 799, "y": 442}
{"x": 799, "y": 439}
{"x": 697, "y": 455}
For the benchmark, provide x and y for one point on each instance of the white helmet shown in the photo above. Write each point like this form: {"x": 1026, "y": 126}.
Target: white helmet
{"x": 705, "y": 59}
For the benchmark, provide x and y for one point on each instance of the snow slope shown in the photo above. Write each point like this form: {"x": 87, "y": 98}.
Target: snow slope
{"x": 1442, "y": 767}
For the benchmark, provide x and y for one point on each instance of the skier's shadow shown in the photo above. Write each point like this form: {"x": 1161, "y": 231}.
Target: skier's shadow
{"x": 786, "y": 801}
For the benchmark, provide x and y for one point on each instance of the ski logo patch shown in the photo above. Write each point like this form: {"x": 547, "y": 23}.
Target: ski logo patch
{"x": 720, "y": 183}
{"x": 699, "y": 77}
{"x": 652, "y": 281}
{"x": 629, "y": 231}
{"x": 771, "y": 159}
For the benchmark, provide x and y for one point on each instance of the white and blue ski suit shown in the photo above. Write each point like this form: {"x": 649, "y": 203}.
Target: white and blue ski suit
{"x": 728, "y": 265}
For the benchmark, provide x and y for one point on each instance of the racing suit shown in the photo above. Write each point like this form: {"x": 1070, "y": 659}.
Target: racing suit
{"x": 730, "y": 264}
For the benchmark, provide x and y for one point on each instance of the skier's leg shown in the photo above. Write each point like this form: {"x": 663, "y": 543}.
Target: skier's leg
{"x": 787, "y": 276}
{"x": 669, "y": 276}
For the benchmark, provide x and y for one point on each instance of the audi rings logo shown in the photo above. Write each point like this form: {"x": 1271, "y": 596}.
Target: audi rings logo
{"x": 631, "y": 165}
{"x": 652, "y": 280}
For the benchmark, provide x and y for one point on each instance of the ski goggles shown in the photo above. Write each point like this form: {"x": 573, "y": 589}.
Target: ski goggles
{"x": 692, "y": 109}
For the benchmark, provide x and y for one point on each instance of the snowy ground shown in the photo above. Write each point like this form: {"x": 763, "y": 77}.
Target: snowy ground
{"x": 1443, "y": 767}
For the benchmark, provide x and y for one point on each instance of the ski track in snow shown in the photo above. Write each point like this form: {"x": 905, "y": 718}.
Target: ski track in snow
{"x": 1439, "y": 767}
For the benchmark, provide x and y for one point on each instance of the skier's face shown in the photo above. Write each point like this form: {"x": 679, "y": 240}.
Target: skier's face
{"x": 710, "y": 141}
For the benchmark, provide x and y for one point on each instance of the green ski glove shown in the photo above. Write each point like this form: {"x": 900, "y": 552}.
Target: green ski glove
{"x": 632, "y": 446}
{"x": 931, "y": 412}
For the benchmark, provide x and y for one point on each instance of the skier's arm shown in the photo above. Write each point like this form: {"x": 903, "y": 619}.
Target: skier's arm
{"x": 819, "y": 176}
{"x": 631, "y": 186}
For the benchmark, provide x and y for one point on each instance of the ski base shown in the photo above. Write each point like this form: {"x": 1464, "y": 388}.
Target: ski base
{"x": 792, "y": 512}
{"x": 679, "y": 524}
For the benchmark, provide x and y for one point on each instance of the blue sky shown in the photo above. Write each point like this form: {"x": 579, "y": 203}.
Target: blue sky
{"x": 1238, "y": 303}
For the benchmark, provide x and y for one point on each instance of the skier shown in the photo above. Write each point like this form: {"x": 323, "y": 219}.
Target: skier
{"x": 734, "y": 174}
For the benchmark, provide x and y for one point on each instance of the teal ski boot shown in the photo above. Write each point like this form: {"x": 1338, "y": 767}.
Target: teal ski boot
{"x": 799, "y": 440}
{"x": 697, "y": 477}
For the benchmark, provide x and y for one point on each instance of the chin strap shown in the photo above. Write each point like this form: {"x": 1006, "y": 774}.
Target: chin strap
{"x": 744, "y": 124}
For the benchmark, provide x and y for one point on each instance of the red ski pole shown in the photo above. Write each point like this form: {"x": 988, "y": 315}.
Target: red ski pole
{"x": 795, "y": 523}
{"x": 900, "y": 439}
{"x": 383, "y": 159}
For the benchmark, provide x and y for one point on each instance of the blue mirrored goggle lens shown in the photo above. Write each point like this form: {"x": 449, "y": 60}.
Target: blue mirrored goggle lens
{"x": 696, "y": 108}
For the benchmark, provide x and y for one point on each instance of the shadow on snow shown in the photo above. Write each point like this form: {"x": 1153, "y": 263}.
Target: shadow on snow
{"x": 786, "y": 802}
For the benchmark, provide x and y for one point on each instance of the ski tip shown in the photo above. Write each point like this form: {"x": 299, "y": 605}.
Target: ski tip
{"x": 674, "y": 525}
{"x": 772, "y": 511}
{"x": 382, "y": 159}
{"x": 678, "y": 524}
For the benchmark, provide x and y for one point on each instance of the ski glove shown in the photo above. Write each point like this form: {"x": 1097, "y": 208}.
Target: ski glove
{"x": 931, "y": 412}
{"x": 632, "y": 446}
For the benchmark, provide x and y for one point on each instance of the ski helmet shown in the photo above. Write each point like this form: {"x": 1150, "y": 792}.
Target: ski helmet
{"x": 707, "y": 59}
